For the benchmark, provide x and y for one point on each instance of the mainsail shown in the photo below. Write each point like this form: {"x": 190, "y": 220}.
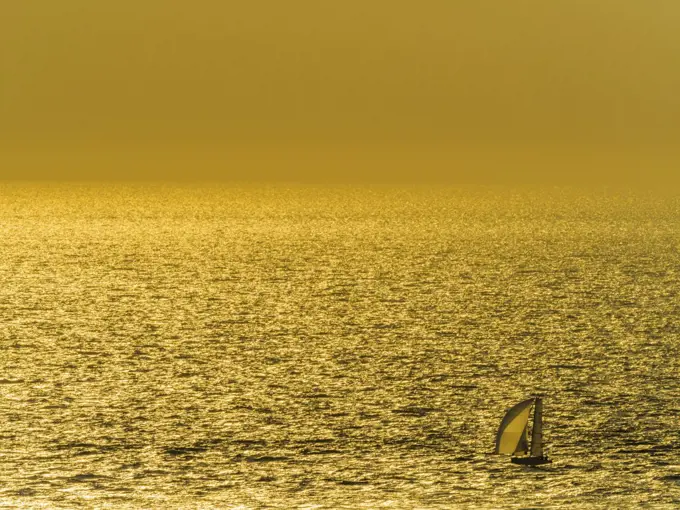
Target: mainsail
{"x": 512, "y": 434}
{"x": 537, "y": 430}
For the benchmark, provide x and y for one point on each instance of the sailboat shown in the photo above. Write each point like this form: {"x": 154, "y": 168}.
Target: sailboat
{"x": 513, "y": 434}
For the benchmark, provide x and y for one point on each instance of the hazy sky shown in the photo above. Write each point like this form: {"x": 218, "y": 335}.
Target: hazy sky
{"x": 555, "y": 90}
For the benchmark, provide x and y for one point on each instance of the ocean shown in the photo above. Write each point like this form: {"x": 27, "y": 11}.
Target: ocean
{"x": 213, "y": 346}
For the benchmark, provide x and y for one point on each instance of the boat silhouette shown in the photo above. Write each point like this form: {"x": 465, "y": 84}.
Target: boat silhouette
{"x": 513, "y": 434}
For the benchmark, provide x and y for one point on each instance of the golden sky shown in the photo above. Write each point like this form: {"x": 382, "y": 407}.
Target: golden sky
{"x": 559, "y": 91}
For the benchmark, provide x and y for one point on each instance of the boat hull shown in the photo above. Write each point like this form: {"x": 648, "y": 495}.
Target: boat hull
{"x": 531, "y": 461}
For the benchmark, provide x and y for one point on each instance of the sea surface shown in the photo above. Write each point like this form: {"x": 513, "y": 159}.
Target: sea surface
{"x": 178, "y": 346}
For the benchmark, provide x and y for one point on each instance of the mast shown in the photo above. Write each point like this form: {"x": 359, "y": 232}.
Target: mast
{"x": 537, "y": 430}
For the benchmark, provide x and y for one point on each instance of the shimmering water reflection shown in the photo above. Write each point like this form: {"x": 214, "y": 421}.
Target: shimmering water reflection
{"x": 215, "y": 348}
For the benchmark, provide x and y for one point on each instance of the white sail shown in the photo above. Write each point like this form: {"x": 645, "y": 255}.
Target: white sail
{"x": 511, "y": 437}
{"x": 523, "y": 445}
{"x": 537, "y": 430}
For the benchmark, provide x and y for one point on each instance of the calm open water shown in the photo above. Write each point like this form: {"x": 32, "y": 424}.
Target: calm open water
{"x": 207, "y": 347}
